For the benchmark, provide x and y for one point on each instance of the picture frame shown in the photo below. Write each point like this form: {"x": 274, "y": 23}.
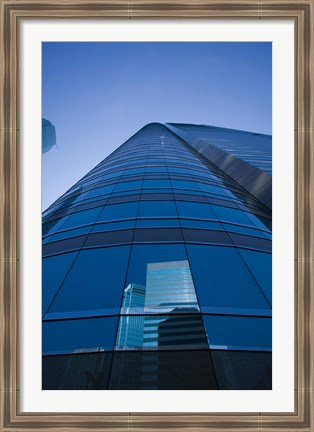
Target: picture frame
{"x": 12, "y": 14}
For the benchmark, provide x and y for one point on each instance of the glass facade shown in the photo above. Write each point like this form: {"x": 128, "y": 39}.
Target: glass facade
{"x": 157, "y": 270}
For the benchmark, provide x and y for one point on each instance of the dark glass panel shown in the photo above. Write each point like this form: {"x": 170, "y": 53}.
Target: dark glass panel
{"x": 96, "y": 281}
{"x": 222, "y": 279}
{"x": 109, "y": 237}
{"x": 168, "y": 370}
{"x": 66, "y": 245}
{"x": 76, "y": 372}
{"x": 158, "y": 235}
{"x": 239, "y": 333}
{"x": 79, "y": 335}
{"x": 71, "y": 233}
{"x": 241, "y": 370}
{"x": 205, "y": 236}
{"x": 189, "y": 198}
{"x": 194, "y": 223}
{"x": 54, "y": 270}
{"x": 260, "y": 265}
{"x": 251, "y": 242}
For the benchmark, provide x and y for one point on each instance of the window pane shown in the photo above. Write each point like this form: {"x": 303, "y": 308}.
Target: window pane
{"x": 54, "y": 270}
{"x": 260, "y": 265}
{"x": 96, "y": 281}
{"x": 76, "y": 371}
{"x": 119, "y": 211}
{"x": 227, "y": 214}
{"x": 125, "y": 186}
{"x": 142, "y": 255}
{"x": 243, "y": 370}
{"x": 99, "y": 191}
{"x": 180, "y": 184}
{"x": 222, "y": 279}
{"x": 196, "y": 210}
{"x": 171, "y": 370}
{"x": 157, "y": 223}
{"x": 71, "y": 233}
{"x": 80, "y": 218}
{"x": 157, "y": 208}
{"x": 111, "y": 226}
{"x": 238, "y": 333}
{"x": 156, "y": 184}
{"x": 79, "y": 335}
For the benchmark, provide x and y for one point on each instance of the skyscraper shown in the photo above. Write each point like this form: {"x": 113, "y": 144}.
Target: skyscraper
{"x": 157, "y": 266}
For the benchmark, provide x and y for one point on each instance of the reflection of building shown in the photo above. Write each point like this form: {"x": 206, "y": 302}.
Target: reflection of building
{"x": 131, "y": 323}
{"x": 170, "y": 290}
{"x": 158, "y": 262}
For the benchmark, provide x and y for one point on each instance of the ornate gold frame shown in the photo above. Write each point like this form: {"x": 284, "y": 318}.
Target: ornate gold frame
{"x": 12, "y": 12}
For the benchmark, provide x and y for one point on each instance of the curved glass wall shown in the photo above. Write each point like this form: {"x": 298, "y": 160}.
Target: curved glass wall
{"x": 160, "y": 263}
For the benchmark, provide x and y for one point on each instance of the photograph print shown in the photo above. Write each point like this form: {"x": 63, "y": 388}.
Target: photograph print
{"x": 157, "y": 216}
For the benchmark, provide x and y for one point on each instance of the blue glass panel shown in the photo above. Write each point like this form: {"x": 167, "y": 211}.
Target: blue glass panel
{"x": 156, "y": 184}
{"x": 178, "y": 170}
{"x": 51, "y": 227}
{"x": 96, "y": 281}
{"x": 100, "y": 227}
{"x": 205, "y": 174}
{"x": 256, "y": 221}
{"x": 260, "y": 265}
{"x": 213, "y": 189}
{"x": 75, "y": 336}
{"x": 201, "y": 224}
{"x": 132, "y": 171}
{"x": 180, "y": 184}
{"x": 228, "y": 214}
{"x": 100, "y": 191}
{"x": 119, "y": 211}
{"x": 196, "y": 210}
{"x": 142, "y": 255}
{"x": 157, "y": 208}
{"x": 156, "y": 170}
{"x": 54, "y": 270}
{"x": 71, "y": 233}
{"x": 131, "y": 185}
{"x": 244, "y": 230}
{"x": 80, "y": 218}
{"x": 222, "y": 279}
{"x": 238, "y": 333}
{"x": 144, "y": 223}
{"x": 112, "y": 175}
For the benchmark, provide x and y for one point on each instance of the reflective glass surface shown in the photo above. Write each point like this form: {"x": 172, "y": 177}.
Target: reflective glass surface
{"x": 95, "y": 281}
{"x": 159, "y": 262}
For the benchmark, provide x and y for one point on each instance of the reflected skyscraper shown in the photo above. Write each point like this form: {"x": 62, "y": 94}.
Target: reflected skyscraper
{"x": 158, "y": 262}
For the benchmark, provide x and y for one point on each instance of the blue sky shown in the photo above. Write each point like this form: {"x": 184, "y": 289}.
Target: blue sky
{"x": 99, "y": 94}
